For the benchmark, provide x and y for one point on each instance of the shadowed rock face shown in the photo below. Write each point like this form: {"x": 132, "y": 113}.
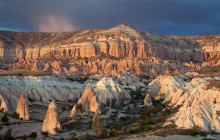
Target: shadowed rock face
{"x": 120, "y": 41}
{"x": 51, "y": 120}
{"x": 23, "y": 108}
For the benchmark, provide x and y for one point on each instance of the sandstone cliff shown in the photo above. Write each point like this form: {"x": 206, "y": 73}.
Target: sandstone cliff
{"x": 120, "y": 41}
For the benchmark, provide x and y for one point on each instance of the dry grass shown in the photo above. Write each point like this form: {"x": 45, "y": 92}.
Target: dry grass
{"x": 22, "y": 72}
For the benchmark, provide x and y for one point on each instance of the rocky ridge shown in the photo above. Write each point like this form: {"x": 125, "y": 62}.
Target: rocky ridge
{"x": 122, "y": 47}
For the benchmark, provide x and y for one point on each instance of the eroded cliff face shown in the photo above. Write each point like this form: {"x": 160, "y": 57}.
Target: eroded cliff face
{"x": 120, "y": 42}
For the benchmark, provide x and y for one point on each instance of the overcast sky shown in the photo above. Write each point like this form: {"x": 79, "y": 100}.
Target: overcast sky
{"x": 180, "y": 17}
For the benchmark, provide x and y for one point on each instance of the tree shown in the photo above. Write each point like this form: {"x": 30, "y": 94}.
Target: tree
{"x": 4, "y": 118}
{"x": 45, "y": 134}
{"x": 57, "y": 130}
{"x": 97, "y": 125}
{"x": 15, "y": 115}
{"x": 7, "y": 135}
{"x": 33, "y": 135}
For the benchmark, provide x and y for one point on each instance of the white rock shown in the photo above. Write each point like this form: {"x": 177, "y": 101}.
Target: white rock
{"x": 108, "y": 90}
{"x": 199, "y": 106}
{"x": 89, "y": 101}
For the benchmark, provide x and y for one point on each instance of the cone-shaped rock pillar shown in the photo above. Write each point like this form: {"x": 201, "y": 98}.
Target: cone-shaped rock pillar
{"x": 74, "y": 111}
{"x": 23, "y": 108}
{"x": 89, "y": 100}
{"x": 51, "y": 121}
{"x": 4, "y": 104}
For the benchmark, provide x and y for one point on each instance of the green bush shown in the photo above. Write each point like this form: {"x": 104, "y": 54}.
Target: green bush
{"x": 193, "y": 131}
{"x": 33, "y": 135}
{"x": 24, "y": 137}
{"x": 157, "y": 126}
{"x": 104, "y": 134}
{"x": 57, "y": 130}
{"x": 15, "y": 115}
{"x": 45, "y": 134}
{"x": 147, "y": 128}
{"x": 7, "y": 135}
{"x": 4, "y": 118}
{"x": 113, "y": 133}
{"x": 73, "y": 136}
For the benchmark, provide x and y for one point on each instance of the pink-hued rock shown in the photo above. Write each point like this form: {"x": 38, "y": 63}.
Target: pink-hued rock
{"x": 23, "y": 108}
{"x": 89, "y": 101}
{"x": 51, "y": 120}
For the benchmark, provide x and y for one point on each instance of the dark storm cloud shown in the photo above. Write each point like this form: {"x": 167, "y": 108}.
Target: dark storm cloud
{"x": 158, "y": 16}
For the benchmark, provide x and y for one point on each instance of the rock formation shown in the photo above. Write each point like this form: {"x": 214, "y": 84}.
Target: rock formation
{"x": 199, "y": 102}
{"x": 109, "y": 92}
{"x": 4, "y": 104}
{"x": 167, "y": 71}
{"x": 74, "y": 112}
{"x": 148, "y": 100}
{"x": 176, "y": 71}
{"x": 118, "y": 42}
{"x": 89, "y": 101}
{"x": 23, "y": 108}
{"x": 51, "y": 121}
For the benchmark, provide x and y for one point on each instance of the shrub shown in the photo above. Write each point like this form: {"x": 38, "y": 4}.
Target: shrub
{"x": 7, "y": 135}
{"x": 45, "y": 134}
{"x": 4, "y": 118}
{"x": 148, "y": 120}
{"x": 193, "y": 131}
{"x": 104, "y": 134}
{"x": 33, "y": 135}
{"x": 135, "y": 130}
{"x": 73, "y": 136}
{"x": 24, "y": 137}
{"x": 156, "y": 109}
{"x": 85, "y": 137}
{"x": 147, "y": 128}
{"x": 15, "y": 115}
{"x": 113, "y": 133}
{"x": 157, "y": 126}
{"x": 57, "y": 130}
